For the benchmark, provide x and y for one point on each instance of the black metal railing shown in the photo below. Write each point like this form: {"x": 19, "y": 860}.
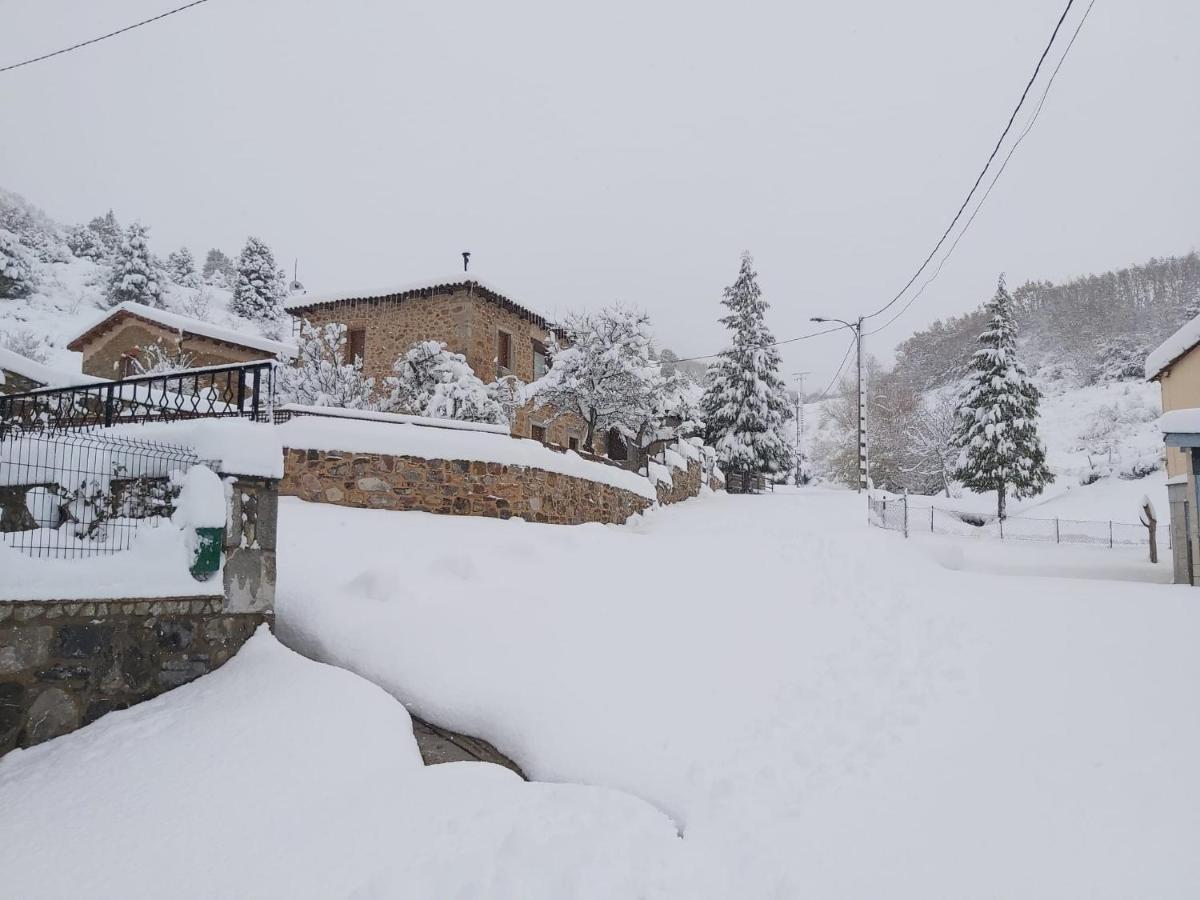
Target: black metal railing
{"x": 244, "y": 390}
{"x": 72, "y": 494}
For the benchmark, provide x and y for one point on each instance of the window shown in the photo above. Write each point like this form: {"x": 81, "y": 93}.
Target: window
{"x": 503, "y": 349}
{"x": 128, "y": 366}
{"x": 541, "y": 359}
{"x": 616, "y": 446}
{"x": 538, "y": 432}
{"x": 356, "y": 345}
{"x": 573, "y": 444}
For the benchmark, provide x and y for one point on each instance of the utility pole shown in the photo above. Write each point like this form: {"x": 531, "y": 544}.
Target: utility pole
{"x": 863, "y": 459}
{"x": 799, "y": 427}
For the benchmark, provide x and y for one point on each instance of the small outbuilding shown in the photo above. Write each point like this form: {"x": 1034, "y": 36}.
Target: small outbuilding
{"x": 113, "y": 345}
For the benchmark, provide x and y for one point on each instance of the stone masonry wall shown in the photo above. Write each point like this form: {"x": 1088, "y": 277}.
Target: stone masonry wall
{"x": 12, "y": 383}
{"x": 104, "y": 356}
{"x": 683, "y": 485}
{"x": 453, "y": 487}
{"x": 63, "y": 664}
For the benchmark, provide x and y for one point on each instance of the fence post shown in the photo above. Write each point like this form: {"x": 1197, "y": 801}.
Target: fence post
{"x": 108, "y": 404}
{"x": 1001, "y": 529}
{"x": 1110, "y": 534}
{"x": 1056, "y": 538}
{"x": 931, "y": 520}
{"x": 906, "y": 512}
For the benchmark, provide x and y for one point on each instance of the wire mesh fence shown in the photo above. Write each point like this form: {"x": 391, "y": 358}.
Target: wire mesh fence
{"x": 71, "y": 494}
{"x": 899, "y": 514}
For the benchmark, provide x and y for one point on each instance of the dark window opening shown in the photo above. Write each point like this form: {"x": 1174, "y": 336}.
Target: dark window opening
{"x": 538, "y": 433}
{"x": 573, "y": 444}
{"x": 616, "y": 446}
{"x": 356, "y": 345}
{"x": 128, "y": 366}
{"x": 503, "y": 349}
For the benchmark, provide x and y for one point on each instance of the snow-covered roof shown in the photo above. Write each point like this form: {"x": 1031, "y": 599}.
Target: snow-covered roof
{"x": 426, "y": 288}
{"x": 1172, "y": 348}
{"x": 1180, "y": 421}
{"x": 184, "y": 324}
{"x": 39, "y": 372}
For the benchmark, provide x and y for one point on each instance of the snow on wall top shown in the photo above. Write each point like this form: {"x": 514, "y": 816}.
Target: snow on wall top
{"x": 1183, "y": 340}
{"x": 42, "y": 374}
{"x": 320, "y": 433}
{"x": 187, "y": 324}
{"x": 369, "y": 415}
{"x": 234, "y": 446}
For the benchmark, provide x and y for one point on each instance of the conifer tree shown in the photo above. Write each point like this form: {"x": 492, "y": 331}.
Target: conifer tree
{"x": 217, "y": 263}
{"x": 17, "y": 275}
{"x": 746, "y": 402}
{"x": 108, "y": 232}
{"x": 258, "y": 293}
{"x": 182, "y": 268}
{"x": 996, "y": 422}
{"x": 135, "y": 276}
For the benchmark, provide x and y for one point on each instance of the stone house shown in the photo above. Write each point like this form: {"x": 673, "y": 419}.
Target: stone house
{"x": 112, "y": 345}
{"x": 19, "y": 374}
{"x": 1175, "y": 365}
{"x": 497, "y": 335}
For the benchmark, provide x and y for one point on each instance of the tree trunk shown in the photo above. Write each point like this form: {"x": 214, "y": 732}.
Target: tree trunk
{"x": 1001, "y": 497}
{"x": 589, "y": 439}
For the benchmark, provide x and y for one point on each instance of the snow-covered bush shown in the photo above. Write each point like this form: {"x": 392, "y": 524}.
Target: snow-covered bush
{"x": 321, "y": 376}
{"x": 1141, "y": 467}
{"x": 432, "y": 381}
{"x": 18, "y": 277}
{"x": 197, "y": 305}
{"x": 260, "y": 288}
{"x": 85, "y": 243}
{"x": 509, "y": 392}
{"x": 135, "y": 275}
{"x": 605, "y": 375}
{"x": 25, "y": 343}
{"x": 1122, "y": 359}
{"x": 156, "y": 358}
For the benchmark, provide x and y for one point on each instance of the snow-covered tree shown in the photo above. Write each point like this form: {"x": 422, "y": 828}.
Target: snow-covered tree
{"x": 86, "y": 243}
{"x": 996, "y": 426}
{"x": 605, "y": 374}
{"x": 320, "y": 375}
{"x": 135, "y": 275}
{"x": 24, "y": 342}
{"x": 109, "y": 233}
{"x": 746, "y": 401}
{"x": 931, "y": 457}
{"x": 432, "y": 381}
{"x": 181, "y": 266}
{"x": 509, "y": 392}
{"x": 18, "y": 277}
{"x": 156, "y": 358}
{"x": 217, "y": 262}
{"x": 259, "y": 291}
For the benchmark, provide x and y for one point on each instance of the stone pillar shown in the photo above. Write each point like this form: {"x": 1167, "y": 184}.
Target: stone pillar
{"x": 250, "y": 545}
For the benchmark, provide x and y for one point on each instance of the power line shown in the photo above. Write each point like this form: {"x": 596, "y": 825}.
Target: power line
{"x": 103, "y": 37}
{"x": 979, "y": 179}
{"x": 838, "y": 373}
{"x": 803, "y": 337}
{"x": 1021, "y": 137}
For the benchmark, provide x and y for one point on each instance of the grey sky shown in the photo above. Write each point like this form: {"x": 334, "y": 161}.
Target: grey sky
{"x": 619, "y": 151}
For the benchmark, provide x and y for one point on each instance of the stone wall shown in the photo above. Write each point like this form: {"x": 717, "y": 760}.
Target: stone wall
{"x": 684, "y": 484}
{"x": 63, "y": 664}
{"x": 12, "y": 383}
{"x": 453, "y": 487}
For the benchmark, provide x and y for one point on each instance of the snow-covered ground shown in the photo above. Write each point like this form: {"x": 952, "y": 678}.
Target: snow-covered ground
{"x": 817, "y": 707}
{"x": 823, "y": 709}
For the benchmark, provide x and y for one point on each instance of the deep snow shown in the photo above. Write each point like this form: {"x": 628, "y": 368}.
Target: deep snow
{"x": 823, "y": 709}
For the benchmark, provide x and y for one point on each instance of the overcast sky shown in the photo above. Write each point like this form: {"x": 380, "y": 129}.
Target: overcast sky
{"x": 619, "y": 151}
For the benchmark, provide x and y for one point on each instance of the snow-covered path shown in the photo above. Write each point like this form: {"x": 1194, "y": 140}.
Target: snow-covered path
{"x": 822, "y": 709}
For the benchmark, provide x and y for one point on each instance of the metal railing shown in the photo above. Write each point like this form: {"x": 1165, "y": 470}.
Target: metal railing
{"x": 71, "y": 494}
{"x": 244, "y": 390}
{"x": 899, "y": 514}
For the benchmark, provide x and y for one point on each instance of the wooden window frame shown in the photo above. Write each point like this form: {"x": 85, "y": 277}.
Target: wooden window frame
{"x": 539, "y": 349}
{"x": 504, "y": 341}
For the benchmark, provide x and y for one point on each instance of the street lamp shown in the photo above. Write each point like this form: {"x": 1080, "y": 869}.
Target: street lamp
{"x": 863, "y": 460}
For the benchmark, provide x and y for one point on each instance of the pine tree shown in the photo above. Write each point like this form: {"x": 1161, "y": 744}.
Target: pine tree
{"x": 182, "y": 268}
{"x": 996, "y": 423}
{"x": 746, "y": 402}
{"x": 17, "y": 275}
{"x": 217, "y": 262}
{"x": 258, "y": 293}
{"x": 109, "y": 233}
{"x": 135, "y": 276}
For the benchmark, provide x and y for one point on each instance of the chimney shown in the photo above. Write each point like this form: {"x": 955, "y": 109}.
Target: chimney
{"x": 466, "y": 260}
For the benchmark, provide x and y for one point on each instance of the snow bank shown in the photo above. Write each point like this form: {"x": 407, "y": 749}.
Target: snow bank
{"x": 155, "y": 565}
{"x": 278, "y": 777}
{"x": 319, "y": 433}
{"x": 337, "y": 412}
{"x": 201, "y": 502}
{"x": 1173, "y": 347}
